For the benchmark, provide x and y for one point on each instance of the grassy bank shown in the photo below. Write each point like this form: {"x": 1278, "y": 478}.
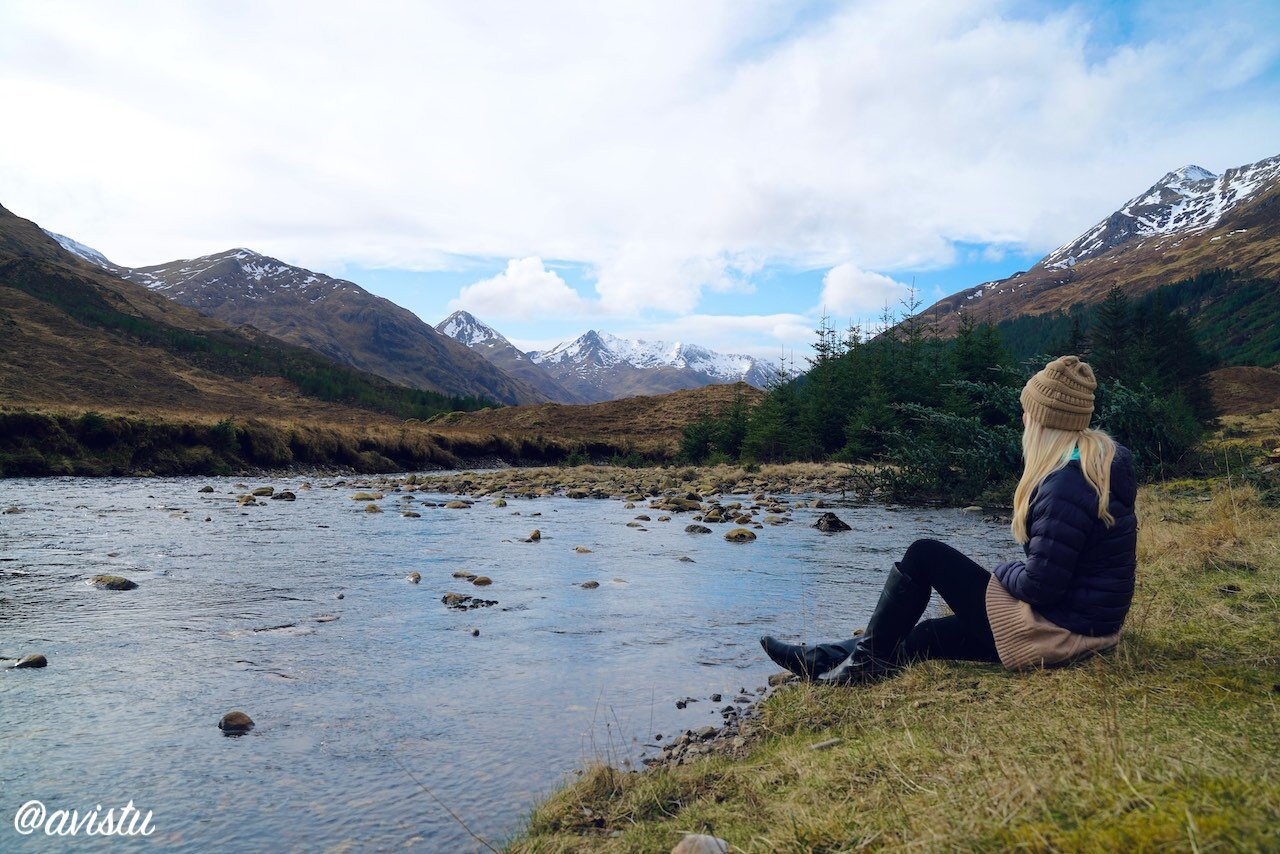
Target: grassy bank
{"x": 40, "y": 444}
{"x": 1170, "y": 742}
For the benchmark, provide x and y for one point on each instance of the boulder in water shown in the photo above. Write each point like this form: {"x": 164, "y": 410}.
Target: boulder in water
{"x": 414, "y": 577}
{"x": 113, "y": 582}
{"x": 411, "y": 514}
{"x": 263, "y": 490}
{"x": 372, "y": 508}
{"x": 235, "y": 723}
{"x": 534, "y": 536}
{"x": 582, "y": 550}
{"x": 285, "y": 495}
{"x": 367, "y": 496}
{"x": 697, "y": 529}
{"x": 740, "y": 535}
{"x": 456, "y": 505}
{"x": 482, "y": 581}
{"x": 589, "y": 585}
{"x": 35, "y": 659}
{"x": 830, "y": 522}
{"x": 206, "y": 489}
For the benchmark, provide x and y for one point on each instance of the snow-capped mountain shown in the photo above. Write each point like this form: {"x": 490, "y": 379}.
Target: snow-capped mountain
{"x": 1186, "y": 201}
{"x": 333, "y": 316}
{"x": 465, "y": 328}
{"x": 1189, "y": 221}
{"x": 601, "y": 366}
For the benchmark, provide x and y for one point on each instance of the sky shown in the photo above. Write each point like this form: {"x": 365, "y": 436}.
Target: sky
{"x": 722, "y": 173}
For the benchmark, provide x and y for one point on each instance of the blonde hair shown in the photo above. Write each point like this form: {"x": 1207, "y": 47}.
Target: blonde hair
{"x": 1045, "y": 450}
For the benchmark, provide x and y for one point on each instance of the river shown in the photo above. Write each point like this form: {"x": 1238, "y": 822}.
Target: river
{"x": 237, "y": 612}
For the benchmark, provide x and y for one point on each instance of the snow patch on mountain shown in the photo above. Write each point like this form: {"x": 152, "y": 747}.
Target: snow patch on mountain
{"x": 603, "y": 350}
{"x": 465, "y": 327}
{"x": 78, "y": 249}
{"x": 1186, "y": 201}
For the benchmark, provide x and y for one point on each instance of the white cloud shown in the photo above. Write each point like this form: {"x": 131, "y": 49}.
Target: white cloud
{"x": 526, "y": 288}
{"x": 672, "y": 147}
{"x": 848, "y": 291}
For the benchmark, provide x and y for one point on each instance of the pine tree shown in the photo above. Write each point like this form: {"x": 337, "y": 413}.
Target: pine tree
{"x": 1111, "y": 338}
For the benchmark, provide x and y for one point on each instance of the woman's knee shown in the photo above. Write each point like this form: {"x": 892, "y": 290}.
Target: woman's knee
{"x": 921, "y": 557}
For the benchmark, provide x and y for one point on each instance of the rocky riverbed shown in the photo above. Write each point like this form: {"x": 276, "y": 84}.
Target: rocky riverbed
{"x": 488, "y": 632}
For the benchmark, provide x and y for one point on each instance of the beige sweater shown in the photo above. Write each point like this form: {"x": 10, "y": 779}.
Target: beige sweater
{"x": 1026, "y": 640}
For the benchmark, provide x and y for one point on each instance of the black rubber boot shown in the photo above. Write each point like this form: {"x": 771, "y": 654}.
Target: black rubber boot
{"x": 807, "y": 662}
{"x": 877, "y": 654}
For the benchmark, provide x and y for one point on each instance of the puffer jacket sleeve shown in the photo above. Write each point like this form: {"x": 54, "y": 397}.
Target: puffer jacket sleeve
{"x": 1059, "y": 528}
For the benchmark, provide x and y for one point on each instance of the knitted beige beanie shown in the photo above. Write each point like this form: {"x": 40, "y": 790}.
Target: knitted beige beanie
{"x": 1061, "y": 395}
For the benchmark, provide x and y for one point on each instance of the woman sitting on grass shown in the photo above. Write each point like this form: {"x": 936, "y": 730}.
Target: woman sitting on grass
{"x": 1073, "y": 512}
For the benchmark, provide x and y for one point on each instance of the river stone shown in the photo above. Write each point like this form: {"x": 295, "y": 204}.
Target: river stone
{"x": 830, "y": 523}
{"x": 482, "y": 581}
{"x": 582, "y": 550}
{"x": 113, "y": 582}
{"x": 635, "y": 525}
{"x": 372, "y": 508}
{"x": 456, "y": 505}
{"x": 263, "y": 490}
{"x": 972, "y": 508}
{"x": 415, "y": 577}
{"x": 411, "y": 514}
{"x": 367, "y": 496}
{"x": 245, "y": 500}
{"x": 740, "y": 535}
{"x": 687, "y": 559}
{"x": 697, "y": 529}
{"x": 33, "y": 660}
{"x": 206, "y": 489}
{"x": 286, "y": 495}
{"x": 235, "y": 723}
{"x": 589, "y": 585}
{"x": 781, "y": 678}
{"x": 462, "y": 573}
{"x": 683, "y": 504}
{"x": 8, "y": 510}
{"x": 501, "y": 502}
{"x": 534, "y": 536}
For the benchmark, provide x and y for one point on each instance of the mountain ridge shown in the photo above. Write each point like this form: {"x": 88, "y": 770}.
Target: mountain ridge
{"x": 332, "y": 316}
{"x": 468, "y": 330}
{"x": 1188, "y": 222}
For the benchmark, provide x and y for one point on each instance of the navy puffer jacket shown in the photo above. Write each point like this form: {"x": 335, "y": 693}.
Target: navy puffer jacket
{"x": 1079, "y": 573}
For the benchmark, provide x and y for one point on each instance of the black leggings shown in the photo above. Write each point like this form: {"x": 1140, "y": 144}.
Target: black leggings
{"x": 966, "y": 634}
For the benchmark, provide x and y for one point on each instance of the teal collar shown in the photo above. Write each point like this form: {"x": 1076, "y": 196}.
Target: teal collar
{"x": 1075, "y": 453}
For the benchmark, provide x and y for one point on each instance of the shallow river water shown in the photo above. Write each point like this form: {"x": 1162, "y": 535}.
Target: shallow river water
{"x": 228, "y": 615}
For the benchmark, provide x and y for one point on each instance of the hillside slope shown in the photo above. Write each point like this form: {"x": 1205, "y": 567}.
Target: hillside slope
{"x": 331, "y": 316}
{"x": 651, "y": 424}
{"x": 77, "y": 337}
{"x": 1188, "y": 222}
